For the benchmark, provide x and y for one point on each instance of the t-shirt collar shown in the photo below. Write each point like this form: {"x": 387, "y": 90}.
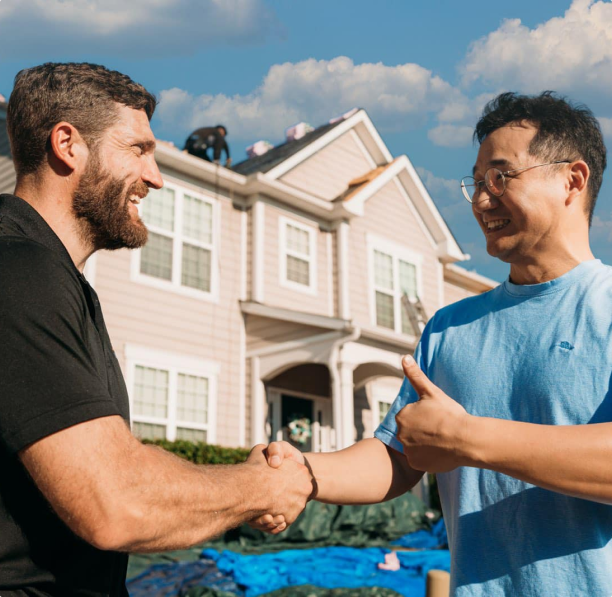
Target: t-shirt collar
{"x": 563, "y": 281}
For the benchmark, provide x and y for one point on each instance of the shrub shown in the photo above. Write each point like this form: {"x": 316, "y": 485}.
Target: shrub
{"x": 201, "y": 453}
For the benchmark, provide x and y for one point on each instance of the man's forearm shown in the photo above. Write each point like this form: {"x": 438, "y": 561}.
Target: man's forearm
{"x": 365, "y": 473}
{"x": 574, "y": 460}
{"x": 121, "y": 495}
{"x": 180, "y": 504}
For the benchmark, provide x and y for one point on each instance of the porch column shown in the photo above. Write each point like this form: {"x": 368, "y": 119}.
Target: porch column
{"x": 347, "y": 401}
{"x": 258, "y": 404}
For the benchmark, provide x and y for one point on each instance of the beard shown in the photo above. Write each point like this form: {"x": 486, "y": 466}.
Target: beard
{"x": 101, "y": 205}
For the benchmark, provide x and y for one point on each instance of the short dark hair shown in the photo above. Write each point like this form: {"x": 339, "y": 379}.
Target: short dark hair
{"x": 565, "y": 131}
{"x": 85, "y": 95}
{"x": 222, "y": 126}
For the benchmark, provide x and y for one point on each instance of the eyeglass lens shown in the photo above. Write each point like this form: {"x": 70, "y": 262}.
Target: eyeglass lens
{"x": 494, "y": 179}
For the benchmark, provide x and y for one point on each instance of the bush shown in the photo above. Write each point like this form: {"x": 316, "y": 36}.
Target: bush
{"x": 201, "y": 453}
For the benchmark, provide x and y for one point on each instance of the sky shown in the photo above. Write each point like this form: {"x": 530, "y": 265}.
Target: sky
{"x": 422, "y": 70}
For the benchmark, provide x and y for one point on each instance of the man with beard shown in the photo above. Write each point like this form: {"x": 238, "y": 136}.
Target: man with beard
{"x": 78, "y": 491}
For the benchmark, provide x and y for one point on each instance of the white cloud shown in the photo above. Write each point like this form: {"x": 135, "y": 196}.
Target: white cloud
{"x": 398, "y": 98}
{"x": 601, "y": 230}
{"x": 568, "y": 53}
{"x": 451, "y": 135}
{"x": 138, "y": 28}
{"x": 606, "y": 126}
{"x": 443, "y": 190}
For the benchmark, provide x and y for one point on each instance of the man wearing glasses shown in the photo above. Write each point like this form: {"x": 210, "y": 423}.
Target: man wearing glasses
{"x": 510, "y": 398}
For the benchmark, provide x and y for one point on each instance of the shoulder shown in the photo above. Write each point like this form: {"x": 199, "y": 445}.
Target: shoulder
{"x": 32, "y": 273}
{"x": 466, "y": 310}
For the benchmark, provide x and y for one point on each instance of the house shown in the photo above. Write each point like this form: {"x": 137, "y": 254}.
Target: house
{"x": 269, "y": 295}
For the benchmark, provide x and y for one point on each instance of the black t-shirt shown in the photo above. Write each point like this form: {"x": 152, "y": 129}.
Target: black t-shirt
{"x": 57, "y": 369}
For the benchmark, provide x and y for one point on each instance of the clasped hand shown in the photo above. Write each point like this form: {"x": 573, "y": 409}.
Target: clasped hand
{"x": 288, "y": 483}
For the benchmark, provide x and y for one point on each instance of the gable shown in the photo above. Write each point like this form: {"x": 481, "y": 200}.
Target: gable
{"x": 326, "y": 173}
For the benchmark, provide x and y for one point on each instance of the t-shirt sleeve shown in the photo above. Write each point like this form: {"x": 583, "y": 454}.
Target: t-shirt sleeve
{"x": 48, "y": 375}
{"x": 387, "y": 430}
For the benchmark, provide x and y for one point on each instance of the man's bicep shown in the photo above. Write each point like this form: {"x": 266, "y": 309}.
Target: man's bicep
{"x": 404, "y": 476}
{"x": 82, "y": 470}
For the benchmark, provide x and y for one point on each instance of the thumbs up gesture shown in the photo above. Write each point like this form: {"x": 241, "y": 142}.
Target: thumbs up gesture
{"x": 432, "y": 430}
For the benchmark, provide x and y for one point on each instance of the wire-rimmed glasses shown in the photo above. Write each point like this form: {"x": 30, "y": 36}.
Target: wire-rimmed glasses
{"x": 495, "y": 181}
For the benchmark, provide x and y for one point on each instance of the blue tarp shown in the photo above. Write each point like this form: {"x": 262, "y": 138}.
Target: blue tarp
{"x": 329, "y": 567}
{"x": 425, "y": 539}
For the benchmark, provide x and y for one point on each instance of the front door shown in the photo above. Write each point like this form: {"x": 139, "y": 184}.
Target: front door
{"x": 302, "y": 421}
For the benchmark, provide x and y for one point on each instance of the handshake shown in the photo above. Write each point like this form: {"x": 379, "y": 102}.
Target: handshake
{"x": 286, "y": 484}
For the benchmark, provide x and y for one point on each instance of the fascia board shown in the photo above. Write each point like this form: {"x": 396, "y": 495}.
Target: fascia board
{"x": 474, "y": 281}
{"x": 448, "y": 249}
{"x": 321, "y": 142}
{"x": 198, "y": 168}
{"x": 380, "y": 144}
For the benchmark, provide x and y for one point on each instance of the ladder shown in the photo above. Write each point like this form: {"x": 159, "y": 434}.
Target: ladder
{"x": 416, "y": 313}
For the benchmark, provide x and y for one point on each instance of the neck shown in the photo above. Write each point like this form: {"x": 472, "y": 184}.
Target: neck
{"x": 544, "y": 270}
{"x": 54, "y": 205}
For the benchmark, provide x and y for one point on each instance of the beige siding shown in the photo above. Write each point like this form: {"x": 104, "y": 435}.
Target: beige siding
{"x": 388, "y": 216}
{"x": 327, "y": 173}
{"x": 7, "y": 171}
{"x": 278, "y": 295}
{"x": 454, "y": 293}
{"x": 167, "y": 320}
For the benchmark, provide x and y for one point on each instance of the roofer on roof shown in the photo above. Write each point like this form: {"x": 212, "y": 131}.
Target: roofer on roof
{"x": 201, "y": 140}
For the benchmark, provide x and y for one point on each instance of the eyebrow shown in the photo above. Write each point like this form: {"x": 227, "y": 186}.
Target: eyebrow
{"x": 145, "y": 145}
{"x": 494, "y": 163}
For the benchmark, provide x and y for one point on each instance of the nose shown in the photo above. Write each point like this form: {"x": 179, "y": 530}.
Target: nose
{"x": 484, "y": 200}
{"x": 151, "y": 174}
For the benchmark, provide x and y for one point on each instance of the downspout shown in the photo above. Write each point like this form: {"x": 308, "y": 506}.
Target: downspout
{"x": 336, "y": 383}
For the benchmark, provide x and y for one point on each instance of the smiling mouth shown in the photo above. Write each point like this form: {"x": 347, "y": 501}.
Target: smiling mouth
{"x": 495, "y": 225}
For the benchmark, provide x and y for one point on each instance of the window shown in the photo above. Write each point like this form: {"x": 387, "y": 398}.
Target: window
{"x": 298, "y": 255}
{"x": 172, "y": 396}
{"x": 383, "y": 409}
{"x": 395, "y": 271}
{"x": 180, "y": 252}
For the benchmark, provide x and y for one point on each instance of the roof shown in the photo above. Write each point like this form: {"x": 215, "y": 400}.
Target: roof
{"x": 278, "y": 154}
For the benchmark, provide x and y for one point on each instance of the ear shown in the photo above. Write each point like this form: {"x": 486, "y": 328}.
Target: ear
{"x": 69, "y": 152}
{"x": 577, "y": 180}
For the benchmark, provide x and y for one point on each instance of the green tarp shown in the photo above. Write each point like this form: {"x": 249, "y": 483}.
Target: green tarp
{"x": 322, "y": 525}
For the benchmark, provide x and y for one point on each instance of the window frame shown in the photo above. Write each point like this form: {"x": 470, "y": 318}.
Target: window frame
{"x": 178, "y": 240}
{"x": 397, "y": 253}
{"x": 175, "y": 364}
{"x": 312, "y": 231}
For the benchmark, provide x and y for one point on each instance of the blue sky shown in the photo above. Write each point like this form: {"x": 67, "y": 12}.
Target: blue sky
{"x": 423, "y": 70}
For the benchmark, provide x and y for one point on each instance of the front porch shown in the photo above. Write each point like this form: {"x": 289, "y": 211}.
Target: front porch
{"x": 319, "y": 382}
